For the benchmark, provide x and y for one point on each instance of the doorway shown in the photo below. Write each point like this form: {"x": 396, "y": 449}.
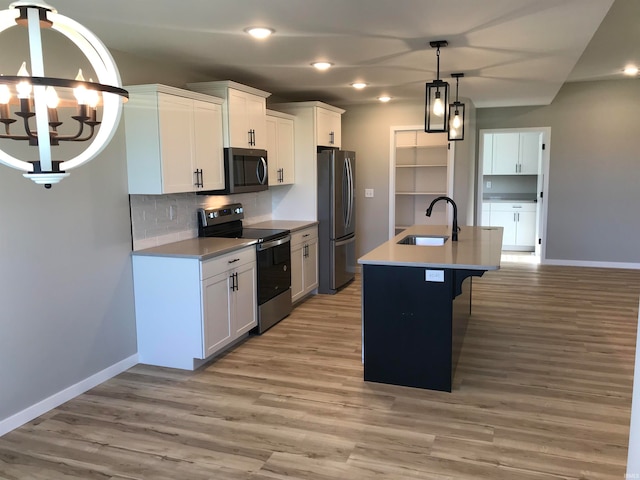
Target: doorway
{"x": 512, "y": 185}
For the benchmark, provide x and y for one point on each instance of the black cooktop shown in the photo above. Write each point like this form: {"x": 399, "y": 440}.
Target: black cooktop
{"x": 263, "y": 234}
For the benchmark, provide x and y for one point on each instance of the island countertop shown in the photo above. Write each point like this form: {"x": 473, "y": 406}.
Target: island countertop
{"x": 477, "y": 248}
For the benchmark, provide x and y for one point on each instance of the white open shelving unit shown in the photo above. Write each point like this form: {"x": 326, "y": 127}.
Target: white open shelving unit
{"x": 421, "y": 169}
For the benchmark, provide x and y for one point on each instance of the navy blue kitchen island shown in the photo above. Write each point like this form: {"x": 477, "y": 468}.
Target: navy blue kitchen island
{"x": 417, "y": 301}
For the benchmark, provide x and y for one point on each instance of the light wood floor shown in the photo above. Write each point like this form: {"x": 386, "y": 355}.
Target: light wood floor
{"x": 543, "y": 391}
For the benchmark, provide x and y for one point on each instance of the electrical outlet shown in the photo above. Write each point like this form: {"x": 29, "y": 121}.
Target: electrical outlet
{"x": 173, "y": 212}
{"x": 489, "y": 184}
{"x": 368, "y": 192}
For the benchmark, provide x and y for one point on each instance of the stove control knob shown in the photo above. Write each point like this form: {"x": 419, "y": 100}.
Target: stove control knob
{"x": 238, "y": 210}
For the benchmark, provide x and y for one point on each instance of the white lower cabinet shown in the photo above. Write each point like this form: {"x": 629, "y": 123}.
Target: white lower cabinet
{"x": 518, "y": 221}
{"x": 188, "y": 310}
{"x": 304, "y": 262}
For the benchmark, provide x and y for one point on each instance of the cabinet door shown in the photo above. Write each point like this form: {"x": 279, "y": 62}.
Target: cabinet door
{"x": 506, "y": 148}
{"x": 256, "y": 114}
{"x": 526, "y": 229}
{"x": 297, "y": 278}
{"x": 485, "y": 219}
{"x": 507, "y": 221}
{"x": 176, "y": 136}
{"x": 286, "y": 149}
{"x": 310, "y": 267}
{"x": 216, "y": 309}
{"x": 530, "y": 153}
{"x": 245, "y": 314}
{"x": 239, "y": 135}
{"x": 487, "y": 153}
{"x": 272, "y": 151}
{"x": 328, "y": 133}
{"x": 208, "y": 150}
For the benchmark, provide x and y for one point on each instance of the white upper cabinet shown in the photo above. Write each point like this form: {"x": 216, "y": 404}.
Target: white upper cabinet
{"x": 244, "y": 112}
{"x": 280, "y": 148}
{"x": 173, "y": 139}
{"x": 511, "y": 153}
{"x": 328, "y": 127}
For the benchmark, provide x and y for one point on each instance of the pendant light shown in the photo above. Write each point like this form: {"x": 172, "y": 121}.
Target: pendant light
{"x": 456, "y": 114}
{"x": 437, "y": 98}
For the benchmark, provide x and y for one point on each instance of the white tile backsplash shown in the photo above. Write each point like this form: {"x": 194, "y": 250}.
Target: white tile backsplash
{"x": 160, "y": 219}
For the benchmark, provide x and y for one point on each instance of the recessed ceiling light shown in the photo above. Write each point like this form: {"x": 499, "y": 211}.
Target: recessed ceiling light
{"x": 630, "y": 70}
{"x": 359, "y": 85}
{"x": 322, "y": 65}
{"x": 259, "y": 32}
{"x": 384, "y": 98}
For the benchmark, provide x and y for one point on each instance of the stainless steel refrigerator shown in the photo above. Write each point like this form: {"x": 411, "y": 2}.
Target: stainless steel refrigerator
{"x": 337, "y": 217}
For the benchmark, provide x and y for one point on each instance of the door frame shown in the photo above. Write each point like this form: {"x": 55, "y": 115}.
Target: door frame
{"x": 542, "y": 193}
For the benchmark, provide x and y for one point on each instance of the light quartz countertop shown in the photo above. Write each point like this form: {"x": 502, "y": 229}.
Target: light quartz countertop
{"x": 292, "y": 225}
{"x": 477, "y": 248}
{"x": 202, "y": 248}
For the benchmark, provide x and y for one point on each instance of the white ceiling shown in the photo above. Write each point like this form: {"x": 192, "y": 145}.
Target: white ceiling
{"x": 512, "y": 52}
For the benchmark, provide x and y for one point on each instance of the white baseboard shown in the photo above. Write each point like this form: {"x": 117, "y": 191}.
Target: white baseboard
{"x": 65, "y": 395}
{"x": 582, "y": 263}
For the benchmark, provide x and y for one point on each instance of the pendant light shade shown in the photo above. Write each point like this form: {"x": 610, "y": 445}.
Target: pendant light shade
{"x": 436, "y": 110}
{"x": 456, "y": 114}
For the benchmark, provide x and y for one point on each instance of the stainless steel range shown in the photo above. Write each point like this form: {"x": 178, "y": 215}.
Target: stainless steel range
{"x": 273, "y": 258}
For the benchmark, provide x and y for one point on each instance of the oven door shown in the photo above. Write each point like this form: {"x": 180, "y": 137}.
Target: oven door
{"x": 274, "y": 268}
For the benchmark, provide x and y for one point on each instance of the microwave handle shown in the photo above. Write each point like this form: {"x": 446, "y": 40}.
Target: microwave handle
{"x": 262, "y": 179}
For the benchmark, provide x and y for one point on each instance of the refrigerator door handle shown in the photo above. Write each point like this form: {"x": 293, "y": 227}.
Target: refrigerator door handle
{"x": 351, "y": 192}
{"x": 346, "y": 199}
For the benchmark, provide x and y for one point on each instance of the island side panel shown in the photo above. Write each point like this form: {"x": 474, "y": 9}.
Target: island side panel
{"x": 407, "y": 327}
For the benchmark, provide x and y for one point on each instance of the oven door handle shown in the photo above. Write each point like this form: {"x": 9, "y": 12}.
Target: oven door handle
{"x": 273, "y": 243}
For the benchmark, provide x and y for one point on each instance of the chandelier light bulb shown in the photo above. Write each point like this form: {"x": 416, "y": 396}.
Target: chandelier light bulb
{"x": 93, "y": 97}
{"x": 52, "y": 97}
{"x": 80, "y": 92}
{"x": 5, "y": 94}
{"x": 24, "y": 87}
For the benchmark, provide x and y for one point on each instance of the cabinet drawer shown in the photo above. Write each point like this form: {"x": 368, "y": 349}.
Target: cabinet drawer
{"x": 306, "y": 235}
{"x": 513, "y": 206}
{"x": 227, "y": 261}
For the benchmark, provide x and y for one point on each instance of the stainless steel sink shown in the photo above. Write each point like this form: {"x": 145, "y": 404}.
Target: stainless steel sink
{"x": 424, "y": 240}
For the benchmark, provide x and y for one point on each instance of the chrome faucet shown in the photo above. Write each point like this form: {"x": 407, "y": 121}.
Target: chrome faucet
{"x": 454, "y": 235}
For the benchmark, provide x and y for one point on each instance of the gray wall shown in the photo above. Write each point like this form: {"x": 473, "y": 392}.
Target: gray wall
{"x": 66, "y": 294}
{"x": 594, "y": 169}
{"x": 367, "y": 130}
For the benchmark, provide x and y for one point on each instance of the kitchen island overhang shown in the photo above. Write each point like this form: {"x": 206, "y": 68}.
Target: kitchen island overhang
{"x": 416, "y": 303}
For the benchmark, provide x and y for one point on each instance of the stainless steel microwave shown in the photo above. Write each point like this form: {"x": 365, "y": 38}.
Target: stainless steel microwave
{"x": 245, "y": 170}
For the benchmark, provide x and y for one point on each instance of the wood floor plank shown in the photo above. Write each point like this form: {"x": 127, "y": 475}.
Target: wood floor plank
{"x": 542, "y": 391}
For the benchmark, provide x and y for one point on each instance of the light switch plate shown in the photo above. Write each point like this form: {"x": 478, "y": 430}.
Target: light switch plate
{"x": 368, "y": 192}
{"x": 434, "y": 275}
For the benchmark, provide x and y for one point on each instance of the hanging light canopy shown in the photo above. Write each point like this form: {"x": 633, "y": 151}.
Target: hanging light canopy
{"x": 437, "y": 98}
{"x": 456, "y": 114}
{"x": 35, "y": 100}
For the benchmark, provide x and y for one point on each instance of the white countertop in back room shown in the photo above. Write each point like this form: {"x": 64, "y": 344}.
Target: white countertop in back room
{"x": 291, "y": 225}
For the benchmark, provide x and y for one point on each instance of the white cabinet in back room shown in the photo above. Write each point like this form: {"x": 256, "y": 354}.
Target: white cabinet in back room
{"x": 244, "y": 112}
{"x": 280, "y": 148}
{"x": 304, "y": 262}
{"x": 511, "y": 153}
{"x": 173, "y": 139}
{"x": 188, "y": 310}
{"x": 518, "y": 220}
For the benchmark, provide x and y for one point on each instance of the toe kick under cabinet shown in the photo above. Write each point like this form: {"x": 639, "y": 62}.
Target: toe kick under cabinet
{"x": 188, "y": 310}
